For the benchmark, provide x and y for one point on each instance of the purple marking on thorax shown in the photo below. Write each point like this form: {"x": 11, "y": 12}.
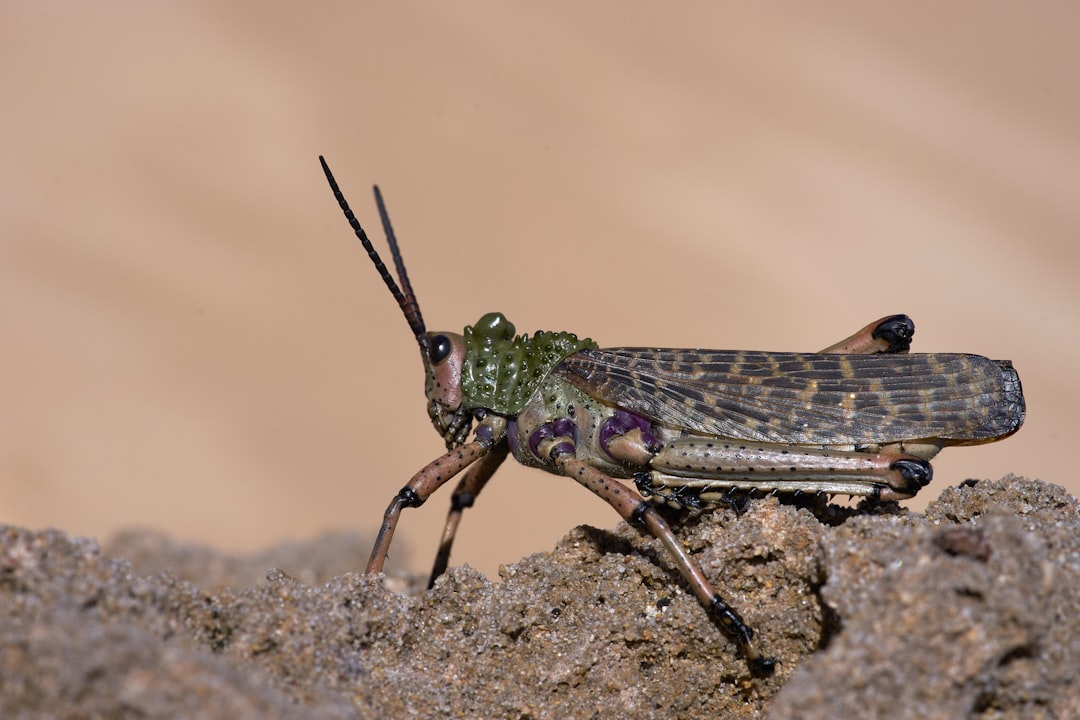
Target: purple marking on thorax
{"x": 544, "y": 431}
{"x": 623, "y": 422}
{"x": 565, "y": 426}
{"x": 562, "y": 427}
{"x": 483, "y": 432}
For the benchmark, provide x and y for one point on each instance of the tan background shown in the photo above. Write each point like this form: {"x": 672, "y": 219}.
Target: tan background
{"x": 193, "y": 340}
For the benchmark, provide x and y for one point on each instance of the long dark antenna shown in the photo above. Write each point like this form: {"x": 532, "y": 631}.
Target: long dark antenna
{"x": 406, "y": 300}
{"x": 413, "y": 309}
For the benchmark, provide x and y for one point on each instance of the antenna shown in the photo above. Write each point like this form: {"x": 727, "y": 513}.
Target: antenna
{"x": 406, "y": 300}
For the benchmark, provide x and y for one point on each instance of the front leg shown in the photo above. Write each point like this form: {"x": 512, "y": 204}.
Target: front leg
{"x": 490, "y": 432}
{"x": 555, "y": 444}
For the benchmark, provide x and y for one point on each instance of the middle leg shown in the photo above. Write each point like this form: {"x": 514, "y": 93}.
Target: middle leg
{"x": 464, "y": 496}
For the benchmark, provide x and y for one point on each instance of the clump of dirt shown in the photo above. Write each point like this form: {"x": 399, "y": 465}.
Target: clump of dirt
{"x": 971, "y": 609}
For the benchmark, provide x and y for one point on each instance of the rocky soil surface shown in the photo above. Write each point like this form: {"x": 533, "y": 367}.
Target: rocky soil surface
{"x": 971, "y": 609}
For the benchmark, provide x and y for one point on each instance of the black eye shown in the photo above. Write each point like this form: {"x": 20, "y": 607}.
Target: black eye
{"x": 439, "y": 349}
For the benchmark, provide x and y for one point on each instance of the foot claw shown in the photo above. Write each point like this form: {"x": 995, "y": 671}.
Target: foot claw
{"x": 762, "y": 666}
{"x": 915, "y": 471}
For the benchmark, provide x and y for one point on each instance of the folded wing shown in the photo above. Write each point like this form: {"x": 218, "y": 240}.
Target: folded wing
{"x": 807, "y": 398}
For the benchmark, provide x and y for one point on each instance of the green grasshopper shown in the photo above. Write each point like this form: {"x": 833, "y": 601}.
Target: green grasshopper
{"x": 689, "y": 428}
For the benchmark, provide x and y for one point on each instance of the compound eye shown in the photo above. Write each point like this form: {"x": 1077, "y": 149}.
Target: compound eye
{"x": 439, "y": 349}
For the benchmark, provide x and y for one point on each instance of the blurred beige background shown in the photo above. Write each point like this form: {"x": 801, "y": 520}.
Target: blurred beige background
{"x": 193, "y": 340}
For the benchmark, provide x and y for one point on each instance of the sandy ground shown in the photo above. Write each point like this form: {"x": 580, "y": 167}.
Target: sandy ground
{"x": 193, "y": 342}
{"x": 969, "y": 610}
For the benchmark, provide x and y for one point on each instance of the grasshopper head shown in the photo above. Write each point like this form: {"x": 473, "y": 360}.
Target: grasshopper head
{"x": 442, "y": 353}
{"x": 444, "y": 356}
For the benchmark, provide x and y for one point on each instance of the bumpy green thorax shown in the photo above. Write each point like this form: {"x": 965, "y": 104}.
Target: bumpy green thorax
{"x": 502, "y": 370}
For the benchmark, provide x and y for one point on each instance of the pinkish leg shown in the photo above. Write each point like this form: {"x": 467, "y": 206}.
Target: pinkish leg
{"x": 422, "y": 484}
{"x": 890, "y": 334}
{"x": 463, "y": 497}
{"x": 560, "y": 452}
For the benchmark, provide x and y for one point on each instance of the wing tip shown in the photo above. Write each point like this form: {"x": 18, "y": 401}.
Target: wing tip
{"x": 1012, "y": 408}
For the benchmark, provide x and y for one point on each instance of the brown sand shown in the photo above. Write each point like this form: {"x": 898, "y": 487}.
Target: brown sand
{"x": 968, "y": 610}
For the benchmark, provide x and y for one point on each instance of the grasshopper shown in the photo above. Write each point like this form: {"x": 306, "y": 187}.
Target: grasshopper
{"x": 688, "y": 428}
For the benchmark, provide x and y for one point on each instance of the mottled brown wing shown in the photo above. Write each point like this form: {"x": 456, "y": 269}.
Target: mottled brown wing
{"x": 807, "y": 398}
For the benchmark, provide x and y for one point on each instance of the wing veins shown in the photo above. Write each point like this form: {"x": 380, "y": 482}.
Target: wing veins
{"x": 787, "y": 397}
